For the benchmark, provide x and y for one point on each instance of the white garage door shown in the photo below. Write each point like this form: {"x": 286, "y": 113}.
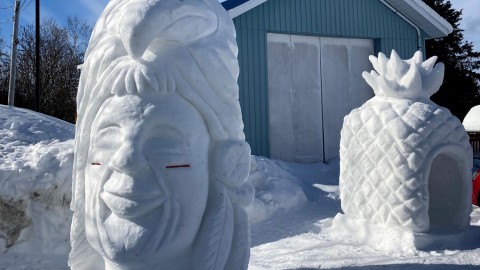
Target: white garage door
{"x": 313, "y": 82}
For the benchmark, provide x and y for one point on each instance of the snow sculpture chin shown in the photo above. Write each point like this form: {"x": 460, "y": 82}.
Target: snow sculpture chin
{"x": 404, "y": 161}
{"x": 160, "y": 158}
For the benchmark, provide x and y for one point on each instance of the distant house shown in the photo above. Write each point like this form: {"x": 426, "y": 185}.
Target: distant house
{"x": 301, "y": 63}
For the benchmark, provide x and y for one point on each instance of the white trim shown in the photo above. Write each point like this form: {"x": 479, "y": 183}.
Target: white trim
{"x": 441, "y": 25}
{"x": 432, "y": 16}
{"x": 239, "y": 10}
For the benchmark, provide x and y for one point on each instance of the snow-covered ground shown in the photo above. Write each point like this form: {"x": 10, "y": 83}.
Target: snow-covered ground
{"x": 291, "y": 216}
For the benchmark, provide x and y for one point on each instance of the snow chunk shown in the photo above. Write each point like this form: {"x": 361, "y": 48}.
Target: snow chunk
{"x": 275, "y": 190}
{"x": 471, "y": 122}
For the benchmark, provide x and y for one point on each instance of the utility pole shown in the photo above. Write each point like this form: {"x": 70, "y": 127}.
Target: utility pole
{"x": 13, "y": 60}
{"x": 37, "y": 55}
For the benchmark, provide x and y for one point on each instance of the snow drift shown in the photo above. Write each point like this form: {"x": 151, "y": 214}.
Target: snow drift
{"x": 36, "y": 155}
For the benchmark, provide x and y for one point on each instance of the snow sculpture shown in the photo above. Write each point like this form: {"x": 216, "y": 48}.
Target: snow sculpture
{"x": 405, "y": 161}
{"x": 160, "y": 158}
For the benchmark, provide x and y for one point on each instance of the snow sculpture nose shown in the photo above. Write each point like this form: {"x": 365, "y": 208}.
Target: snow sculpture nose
{"x": 128, "y": 159}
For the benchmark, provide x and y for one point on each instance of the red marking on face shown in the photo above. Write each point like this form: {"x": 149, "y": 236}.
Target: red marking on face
{"x": 96, "y": 164}
{"x": 178, "y": 166}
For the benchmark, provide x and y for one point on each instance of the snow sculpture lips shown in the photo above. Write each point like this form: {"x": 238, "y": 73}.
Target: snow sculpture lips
{"x": 125, "y": 199}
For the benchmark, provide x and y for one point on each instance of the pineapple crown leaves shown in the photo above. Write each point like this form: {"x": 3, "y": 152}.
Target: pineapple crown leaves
{"x": 409, "y": 79}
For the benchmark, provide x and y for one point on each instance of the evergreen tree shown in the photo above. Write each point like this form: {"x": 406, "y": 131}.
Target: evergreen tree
{"x": 461, "y": 87}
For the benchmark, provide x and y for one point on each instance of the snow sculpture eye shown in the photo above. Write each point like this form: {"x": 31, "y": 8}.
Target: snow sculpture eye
{"x": 107, "y": 137}
{"x": 169, "y": 149}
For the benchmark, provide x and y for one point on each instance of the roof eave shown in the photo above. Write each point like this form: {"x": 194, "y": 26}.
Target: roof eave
{"x": 434, "y": 25}
{"x": 425, "y": 17}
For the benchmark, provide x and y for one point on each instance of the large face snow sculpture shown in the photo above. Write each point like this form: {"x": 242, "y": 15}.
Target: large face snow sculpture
{"x": 147, "y": 167}
{"x": 161, "y": 162}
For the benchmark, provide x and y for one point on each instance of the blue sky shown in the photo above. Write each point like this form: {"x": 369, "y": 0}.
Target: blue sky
{"x": 89, "y": 10}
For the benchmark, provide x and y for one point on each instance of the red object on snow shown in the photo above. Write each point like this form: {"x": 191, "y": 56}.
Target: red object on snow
{"x": 178, "y": 166}
{"x": 476, "y": 188}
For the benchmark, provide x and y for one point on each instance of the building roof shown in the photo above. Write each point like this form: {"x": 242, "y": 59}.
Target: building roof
{"x": 415, "y": 10}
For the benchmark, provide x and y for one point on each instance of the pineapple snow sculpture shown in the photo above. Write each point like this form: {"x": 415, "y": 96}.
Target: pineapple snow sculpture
{"x": 405, "y": 161}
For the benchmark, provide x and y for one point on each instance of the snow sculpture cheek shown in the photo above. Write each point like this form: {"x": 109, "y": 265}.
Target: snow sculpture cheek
{"x": 404, "y": 160}
{"x": 147, "y": 182}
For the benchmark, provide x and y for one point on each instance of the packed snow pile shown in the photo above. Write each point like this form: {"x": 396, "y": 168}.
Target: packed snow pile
{"x": 36, "y": 154}
{"x": 471, "y": 122}
{"x": 399, "y": 152}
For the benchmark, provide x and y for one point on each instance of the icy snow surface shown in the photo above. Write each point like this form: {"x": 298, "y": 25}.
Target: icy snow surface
{"x": 292, "y": 213}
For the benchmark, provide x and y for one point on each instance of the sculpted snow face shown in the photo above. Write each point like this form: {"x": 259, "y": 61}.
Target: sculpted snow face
{"x": 148, "y": 175}
{"x": 160, "y": 158}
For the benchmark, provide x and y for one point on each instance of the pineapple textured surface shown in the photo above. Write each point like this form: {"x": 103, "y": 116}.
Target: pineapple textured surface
{"x": 404, "y": 160}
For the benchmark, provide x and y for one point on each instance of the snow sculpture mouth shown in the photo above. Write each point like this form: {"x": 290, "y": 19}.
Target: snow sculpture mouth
{"x": 127, "y": 203}
{"x": 405, "y": 161}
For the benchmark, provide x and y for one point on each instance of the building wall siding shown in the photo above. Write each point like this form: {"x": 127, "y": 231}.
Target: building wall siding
{"x": 330, "y": 18}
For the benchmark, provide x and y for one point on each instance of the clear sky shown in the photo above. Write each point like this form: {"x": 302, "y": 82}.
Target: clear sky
{"x": 89, "y": 10}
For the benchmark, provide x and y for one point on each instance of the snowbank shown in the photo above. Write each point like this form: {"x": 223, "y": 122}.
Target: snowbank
{"x": 36, "y": 154}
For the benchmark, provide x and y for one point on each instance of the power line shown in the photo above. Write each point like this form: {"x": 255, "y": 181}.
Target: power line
{"x": 7, "y": 7}
{"x": 25, "y": 6}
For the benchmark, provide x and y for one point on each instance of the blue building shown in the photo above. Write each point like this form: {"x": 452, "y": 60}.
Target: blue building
{"x": 301, "y": 63}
